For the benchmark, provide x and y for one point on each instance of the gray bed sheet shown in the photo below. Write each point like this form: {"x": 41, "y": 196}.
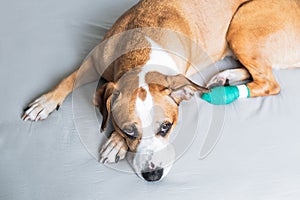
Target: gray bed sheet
{"x": 257, "y": 155}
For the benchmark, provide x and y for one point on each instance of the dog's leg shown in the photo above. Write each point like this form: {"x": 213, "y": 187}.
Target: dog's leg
{"x": 114, "y": 149}
{"x": 250, "y": 54}
{"x": 261, "y": 44}
{"x": 260, "y": 69}
{"x": 44, "y": 105}
{"x": 47, "y": 103}
{"x": 264, "y": 83}
{"x": 230, "y": 77}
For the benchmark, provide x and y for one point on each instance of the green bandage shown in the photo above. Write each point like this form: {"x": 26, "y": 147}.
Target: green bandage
{"x": 226, "y": 94}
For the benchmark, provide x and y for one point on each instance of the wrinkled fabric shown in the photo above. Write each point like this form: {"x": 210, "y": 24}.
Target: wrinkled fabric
{"x": 257, "y": 155}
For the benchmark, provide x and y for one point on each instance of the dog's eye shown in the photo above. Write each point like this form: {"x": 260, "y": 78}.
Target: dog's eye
{"x": 164, "y": 128}
{"x": 131, "y": 132}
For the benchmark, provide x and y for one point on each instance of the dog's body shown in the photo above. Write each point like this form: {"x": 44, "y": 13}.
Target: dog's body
{"x": 145, "y": 87}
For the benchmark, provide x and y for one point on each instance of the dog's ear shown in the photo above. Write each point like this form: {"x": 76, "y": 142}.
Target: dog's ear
{"x": 102, "y": 99}
{"x": 182, "y": 88}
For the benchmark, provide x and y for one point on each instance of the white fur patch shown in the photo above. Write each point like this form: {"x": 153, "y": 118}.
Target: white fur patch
{"x": 162, "y": 58}
{"x": 160, "y": 61}
{"x": 143, "y": 108}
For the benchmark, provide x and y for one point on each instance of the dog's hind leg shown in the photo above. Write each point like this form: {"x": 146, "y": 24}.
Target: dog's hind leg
{"x": 265, "y": 40}
{"x": 230, "y": 77}
{"x": 260, "y": 69}
{"x": 264, "y": 82}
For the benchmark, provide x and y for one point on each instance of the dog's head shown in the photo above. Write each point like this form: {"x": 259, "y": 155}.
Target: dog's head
{"x": 143, "y": 107}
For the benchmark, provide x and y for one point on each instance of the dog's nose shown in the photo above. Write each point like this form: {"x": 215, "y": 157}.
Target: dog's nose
{"x": 153, "y": 174}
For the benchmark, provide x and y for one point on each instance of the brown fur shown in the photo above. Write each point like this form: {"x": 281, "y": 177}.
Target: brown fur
{"x": 142, "y": 94}
{"x": 160, "y": 96}
{"x": 124, "y": 93}
{"x": 262, "y": 34}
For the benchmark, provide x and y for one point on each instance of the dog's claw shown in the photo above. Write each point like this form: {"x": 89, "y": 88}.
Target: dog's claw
{"x": 117, "y": 158}
{"x": 103, "y": 160}
{"x": 25, "y": 117}
{"x": 25, "y": 109}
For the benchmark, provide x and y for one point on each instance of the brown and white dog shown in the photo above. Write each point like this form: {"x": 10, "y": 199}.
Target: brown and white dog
{"x": 144, "y": 87}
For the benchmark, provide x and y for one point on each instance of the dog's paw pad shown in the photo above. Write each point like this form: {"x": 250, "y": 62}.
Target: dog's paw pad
{"x": 113, "y": 150}
{"x": 39, "y": 109}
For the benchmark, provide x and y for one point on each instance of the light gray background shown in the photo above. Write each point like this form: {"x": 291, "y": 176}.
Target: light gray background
{"x": 257, "y": 157}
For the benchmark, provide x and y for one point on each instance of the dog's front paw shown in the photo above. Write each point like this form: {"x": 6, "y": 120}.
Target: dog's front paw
{"x": 114, "y": 149}
{"x": 218, "y": 80}
{"x": 230, "y": 77}
{"x": 40, "y": 108}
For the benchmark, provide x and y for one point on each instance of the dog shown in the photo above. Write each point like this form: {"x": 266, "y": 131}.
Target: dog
{"x": 144, "y": 87}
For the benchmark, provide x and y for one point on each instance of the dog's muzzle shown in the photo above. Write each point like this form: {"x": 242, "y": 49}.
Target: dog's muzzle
{"x": 152, "y": 165}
